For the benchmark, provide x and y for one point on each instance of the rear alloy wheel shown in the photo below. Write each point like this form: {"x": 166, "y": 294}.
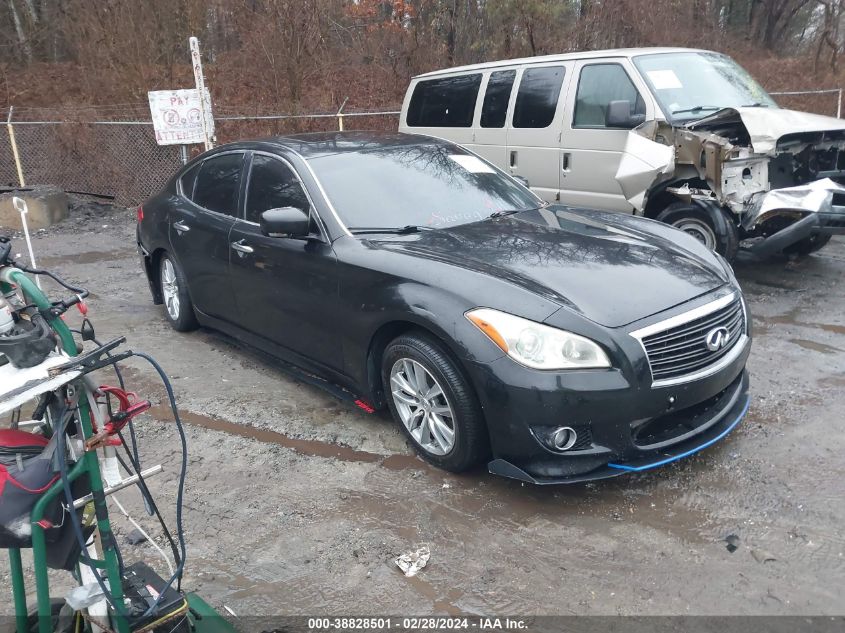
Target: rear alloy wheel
{"x": 707, "y": 223}
{"x": 174, "y": 292}
{"x": 433, "y": 403}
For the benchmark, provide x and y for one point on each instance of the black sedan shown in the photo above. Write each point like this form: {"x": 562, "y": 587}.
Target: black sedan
{"x": 559, "y": 344}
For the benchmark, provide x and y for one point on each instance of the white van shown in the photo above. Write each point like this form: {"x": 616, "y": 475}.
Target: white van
{"x": 685, "y": 136}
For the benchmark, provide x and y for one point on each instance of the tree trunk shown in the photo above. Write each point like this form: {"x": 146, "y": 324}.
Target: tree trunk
{"x": 22, "y": 39}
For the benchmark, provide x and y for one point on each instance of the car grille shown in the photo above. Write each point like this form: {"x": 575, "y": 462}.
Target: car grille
{"x": 682, "y": 349}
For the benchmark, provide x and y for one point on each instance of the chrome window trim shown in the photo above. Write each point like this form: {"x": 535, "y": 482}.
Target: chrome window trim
{"x": 313, "y": 209}
{"x": 326, "y": 197}
{"x": 686, "y": 317}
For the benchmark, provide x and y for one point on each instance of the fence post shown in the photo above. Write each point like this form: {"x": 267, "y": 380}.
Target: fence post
{"x": 340, "y": 115}
{"x": 14, "y": 146}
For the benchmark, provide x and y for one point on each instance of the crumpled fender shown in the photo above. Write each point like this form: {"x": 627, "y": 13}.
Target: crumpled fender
{"x": 642, "y": 162}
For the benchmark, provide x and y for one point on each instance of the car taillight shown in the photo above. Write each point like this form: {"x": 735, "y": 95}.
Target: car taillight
{"x": 140, "y": 213}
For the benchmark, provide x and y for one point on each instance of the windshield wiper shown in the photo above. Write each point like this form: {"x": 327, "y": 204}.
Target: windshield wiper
{"x": 503, "y": 213}
{"x": 397, "y": 230}
{"x": 756, "y": 104}
{"x": 698, "y": 108}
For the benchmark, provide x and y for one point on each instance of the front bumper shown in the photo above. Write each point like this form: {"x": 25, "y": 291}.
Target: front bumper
{"x": 822, "y": 204}
{"x": 629, "y": 425}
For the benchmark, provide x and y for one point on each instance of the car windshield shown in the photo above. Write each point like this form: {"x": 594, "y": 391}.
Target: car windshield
{"x": 692, "y": 85}
{"x": 422, "y": 185}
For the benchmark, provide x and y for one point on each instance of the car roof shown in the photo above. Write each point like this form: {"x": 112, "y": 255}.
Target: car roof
{"x": 317, "y": 144}
{"x": 562, "y": 57}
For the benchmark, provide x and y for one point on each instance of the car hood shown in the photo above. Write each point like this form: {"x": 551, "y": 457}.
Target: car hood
{"x": 766, "y": 126}
{"x": 612, "y": 271}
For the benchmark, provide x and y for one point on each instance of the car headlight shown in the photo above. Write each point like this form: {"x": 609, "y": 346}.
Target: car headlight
{"x": 536, "y": 345}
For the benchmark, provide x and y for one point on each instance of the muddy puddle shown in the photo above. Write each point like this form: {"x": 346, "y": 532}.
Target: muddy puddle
{"x": 87, "y": 257}
{"x": 816, "y": 346}
{"x": 792, "y": 317}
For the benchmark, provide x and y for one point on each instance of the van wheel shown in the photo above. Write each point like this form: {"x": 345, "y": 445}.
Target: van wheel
{"x": 709, "y": 224}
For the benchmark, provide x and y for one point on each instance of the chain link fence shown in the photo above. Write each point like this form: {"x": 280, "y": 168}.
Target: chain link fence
{"x": 123, "y": 160}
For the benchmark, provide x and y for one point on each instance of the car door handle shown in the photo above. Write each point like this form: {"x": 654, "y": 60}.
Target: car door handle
{"x": 513, "y": 159}
{"x": 566, "y": 162}
{"x": 181, "y": 227}
{"x": 242, "y": 248}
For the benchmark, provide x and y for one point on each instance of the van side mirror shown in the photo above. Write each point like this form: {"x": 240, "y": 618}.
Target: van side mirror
{"x": 619, "y": 115}
{"x": 285, "y": 222}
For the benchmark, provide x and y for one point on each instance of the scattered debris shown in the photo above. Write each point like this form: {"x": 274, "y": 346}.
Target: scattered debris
{"x": 762, "y": 556}
{"x": 84, "y": 596}
{"x": 411, "y": 562}
{"x": 732, "y": 541}
{"x": 136, "y": 537}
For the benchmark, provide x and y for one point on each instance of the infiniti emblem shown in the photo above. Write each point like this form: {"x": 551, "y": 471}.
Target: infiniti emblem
{"x": 717, "y": 338}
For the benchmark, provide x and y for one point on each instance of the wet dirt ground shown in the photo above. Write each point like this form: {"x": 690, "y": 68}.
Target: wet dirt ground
{"x": 298, "y": 503}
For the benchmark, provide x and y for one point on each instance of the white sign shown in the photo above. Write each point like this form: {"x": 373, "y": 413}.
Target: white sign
{"x": 177, "y": 116}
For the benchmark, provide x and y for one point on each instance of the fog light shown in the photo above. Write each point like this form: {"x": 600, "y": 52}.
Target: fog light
{"x": 564, "y": 438}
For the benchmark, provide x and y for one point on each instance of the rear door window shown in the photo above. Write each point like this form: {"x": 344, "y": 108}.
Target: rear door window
{"x": 219, "y": 183}
{"x": 444, "y": 102}
{"x": 272, "y": 185}
{"x": 537, "y": 99}
{"x": 187, "y": 181}
{"x": 598, "y": 85}
{"x": 494, "y": 110}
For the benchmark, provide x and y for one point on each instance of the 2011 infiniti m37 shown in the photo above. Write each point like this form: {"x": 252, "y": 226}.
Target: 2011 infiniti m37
{"x": 557, "y": 344}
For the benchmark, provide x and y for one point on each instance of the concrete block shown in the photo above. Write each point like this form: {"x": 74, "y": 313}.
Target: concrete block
{"x": 47, "y": 205}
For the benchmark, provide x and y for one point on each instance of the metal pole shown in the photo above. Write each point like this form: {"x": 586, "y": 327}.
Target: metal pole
{"x": 340, "y": 115}
{"x": 183, "y": 154}
{"x": 149, "y": 472}
{"x": 199, "y": 80}
{"x": 839, "y": 105}
{"x": 14, "y": 145}
{"x": 18, "y": 590}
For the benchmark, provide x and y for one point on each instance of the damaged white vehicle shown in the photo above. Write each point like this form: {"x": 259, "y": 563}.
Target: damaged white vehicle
{"x": 683, "y": 136}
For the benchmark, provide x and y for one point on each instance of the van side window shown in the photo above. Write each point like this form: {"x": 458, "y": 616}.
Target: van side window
{"x": 444, "y": 102}
{"x": 536, "y": 101}
{"x": 494, "y": 110}
{"x": 598, "y": 85}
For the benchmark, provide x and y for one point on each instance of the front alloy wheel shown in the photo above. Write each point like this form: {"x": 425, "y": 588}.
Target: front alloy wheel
{"x": 434, "y": 403}
{"x": 422, "y": 406}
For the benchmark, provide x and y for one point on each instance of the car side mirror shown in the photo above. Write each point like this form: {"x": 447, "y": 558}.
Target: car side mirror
{"x": 619, "y": 115}
{"x": 285, "y": 222}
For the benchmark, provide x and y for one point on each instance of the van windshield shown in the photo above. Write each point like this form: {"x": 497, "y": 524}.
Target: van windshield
{"x": 692, "y": 85}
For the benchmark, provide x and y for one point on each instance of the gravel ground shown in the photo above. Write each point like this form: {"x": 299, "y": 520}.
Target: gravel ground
{"x": 298, "y": 503}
